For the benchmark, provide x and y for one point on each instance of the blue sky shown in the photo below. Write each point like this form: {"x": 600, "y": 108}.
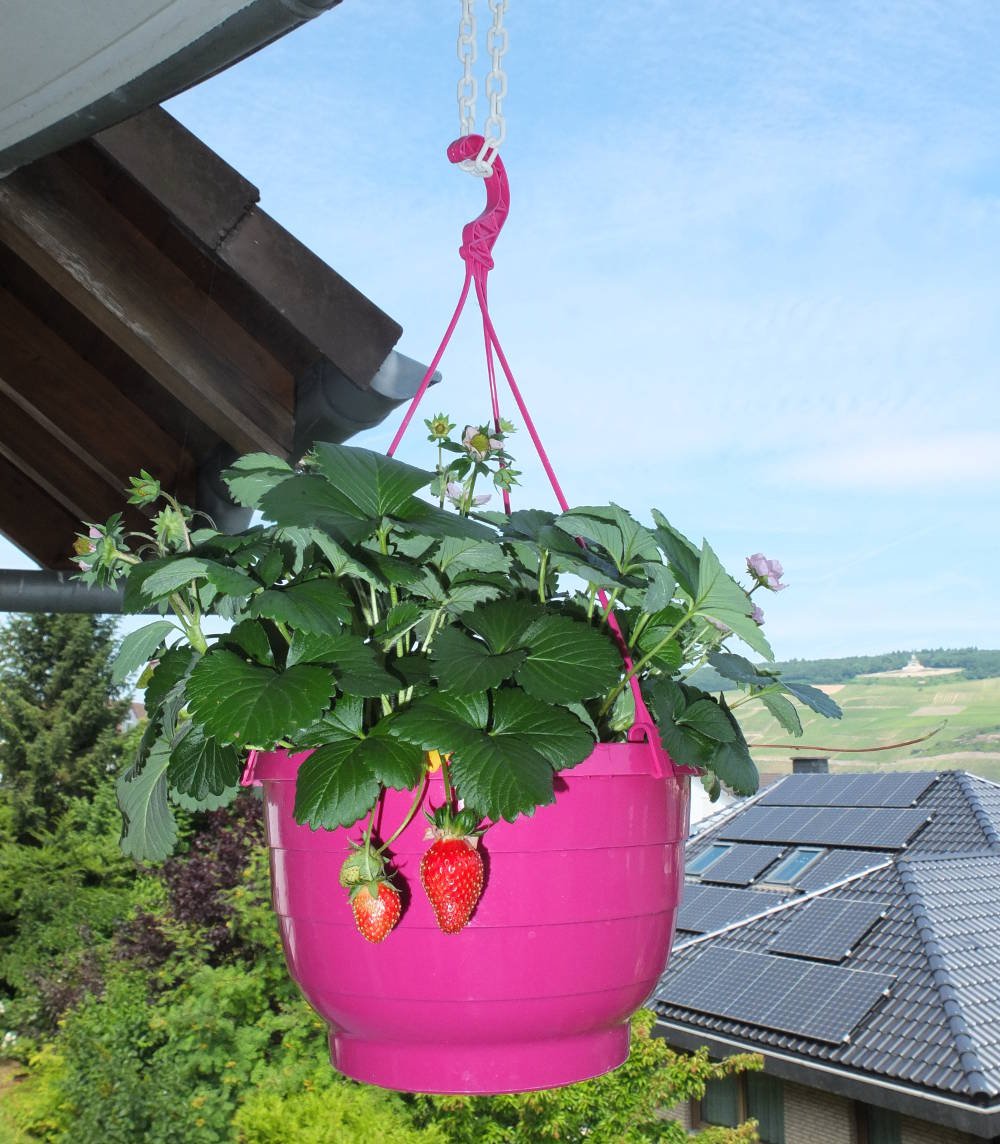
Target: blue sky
{"x": 751, "y": 273}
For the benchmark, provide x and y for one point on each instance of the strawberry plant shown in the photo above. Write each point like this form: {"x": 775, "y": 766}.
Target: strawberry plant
{"x": 378, "y": 613}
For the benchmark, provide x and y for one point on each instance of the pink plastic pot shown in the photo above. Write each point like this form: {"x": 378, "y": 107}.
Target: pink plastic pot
{"x": 571, "y": 934}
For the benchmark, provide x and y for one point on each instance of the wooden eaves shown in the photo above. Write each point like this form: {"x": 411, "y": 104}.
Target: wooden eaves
{"x": 153, "y": 316}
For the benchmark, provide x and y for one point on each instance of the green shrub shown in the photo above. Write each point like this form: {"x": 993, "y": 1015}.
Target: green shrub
{"x": 623, "y": 1107}
{"x": 327, "y": 1110}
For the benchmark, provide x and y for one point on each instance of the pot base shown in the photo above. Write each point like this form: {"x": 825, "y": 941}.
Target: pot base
{"x": 478, "y": 1069}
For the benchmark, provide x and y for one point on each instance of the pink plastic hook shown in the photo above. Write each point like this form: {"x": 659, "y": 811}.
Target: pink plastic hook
{"x": 479, "y": 235}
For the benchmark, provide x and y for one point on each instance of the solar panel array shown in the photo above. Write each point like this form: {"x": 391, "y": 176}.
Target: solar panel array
{"x": 805, "y": 998}
{"x": 887, "y": 829}
{"x": 836, "y": 866}
{"x": 827, "y": 929}
{"x": 849, "y": 790}
{"x": 742, "y": 864}
{"x": 706, "y": 908}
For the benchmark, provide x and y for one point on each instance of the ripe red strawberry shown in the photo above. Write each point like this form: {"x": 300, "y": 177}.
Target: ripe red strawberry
{"x": 376, "y": 907}
{"x": 452, "y": 869}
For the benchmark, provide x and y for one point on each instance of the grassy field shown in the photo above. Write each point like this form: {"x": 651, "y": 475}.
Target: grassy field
{"x": 881, "y": 711}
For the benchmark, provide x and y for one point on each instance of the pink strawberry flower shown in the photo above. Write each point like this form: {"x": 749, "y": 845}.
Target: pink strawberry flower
{"x": 478, "y": 443}
{"x": 757, "y": 615}
{"x": 456, "y": 494}
{"x": 766, "y": 572}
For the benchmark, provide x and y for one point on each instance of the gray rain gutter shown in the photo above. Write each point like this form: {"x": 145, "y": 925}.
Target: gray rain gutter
{"x": 328, "y": 408}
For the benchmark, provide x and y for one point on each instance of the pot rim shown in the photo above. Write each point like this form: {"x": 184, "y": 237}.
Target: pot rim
{"x": 640, "y": 759}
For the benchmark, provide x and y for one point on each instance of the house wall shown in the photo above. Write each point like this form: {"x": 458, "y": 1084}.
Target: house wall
{"x": 683, "y": 1114}
{"x": 920, "y": 1132}
{"x": 816, "y": 1117}
{"x": 812, "y": 1116}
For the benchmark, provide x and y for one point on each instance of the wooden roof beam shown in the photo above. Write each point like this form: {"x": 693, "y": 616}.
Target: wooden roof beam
{"x": 81, "y": 413}
{"x": 220, "y": 210}
{"x": 61, "y": 227}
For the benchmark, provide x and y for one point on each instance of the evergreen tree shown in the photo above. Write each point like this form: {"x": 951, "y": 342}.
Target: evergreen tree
{"x": 59, "y": 718}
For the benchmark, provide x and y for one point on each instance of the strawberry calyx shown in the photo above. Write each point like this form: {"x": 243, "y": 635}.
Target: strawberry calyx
{"x": 448, "y": 823}
{"x": 363, "y": 865}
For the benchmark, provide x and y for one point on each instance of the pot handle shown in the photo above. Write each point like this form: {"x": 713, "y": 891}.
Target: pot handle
{"x": 249, "y": 776}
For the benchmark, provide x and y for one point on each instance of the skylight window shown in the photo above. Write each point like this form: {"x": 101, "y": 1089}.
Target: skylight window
{"x": 788, "y": 869}
{"x": 705, "y": 859}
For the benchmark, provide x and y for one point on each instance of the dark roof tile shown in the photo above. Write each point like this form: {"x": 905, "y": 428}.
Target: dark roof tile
{"x": 939, "y": 1027}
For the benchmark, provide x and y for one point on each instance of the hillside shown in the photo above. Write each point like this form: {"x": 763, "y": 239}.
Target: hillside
{"x": 880, "y": 711}
{"x": 976, "y": 663}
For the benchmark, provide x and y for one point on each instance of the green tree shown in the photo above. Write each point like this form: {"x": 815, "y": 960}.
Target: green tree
{"x": 59, "y": 717}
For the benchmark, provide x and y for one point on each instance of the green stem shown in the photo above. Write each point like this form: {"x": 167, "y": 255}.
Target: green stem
{"x": 639, "y": 664}
{"x": 542, "y": 573}
{"x": 410, "y": 814}
{"x": 606, "y": 611}
{"x": 367, "y": 837}
{"x": 447, "y": 782}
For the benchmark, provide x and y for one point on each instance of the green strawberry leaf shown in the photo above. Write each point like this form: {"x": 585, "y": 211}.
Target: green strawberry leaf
{"x": 442, "y": 721}
{"x": 502, "y": 624}
{"x": 254, "y": 474}
{"x": 568, "y": 660}
{"x": 172, "y": 667}
{"x": 662, "y": 586}
{"x": 137, "y": 648}
{"x": 243, "y": 703}
{"x": 556, "y": 734}
{"x": 622, "y": 537}
{"x": 738, "y": 669}
{"x": 502, "y": 778}
{"x": 731, "y": 761}
{"x": 684, "y": 558}
{"x": 720, "y": 597}
{"x": 250, "y": 638}
{"x": 460, "y": 554}
{"x": 783, "y": 710}
{"x": 336, "y": 785}
{"x": 200, "y": 766}
{"x": 398, "y": 621}
{"x": 149, "y": 831}
{"x": 465, "y": 666}
{"x": 310, "y": 606}
{"x": 708, "y": 718}
{"x": 208, "y": 802}
{"x": 308, "y": 501}
{"x": 356, "y": 667}
{"x": 375, "y": 484}
{"x": 814, "y": 699}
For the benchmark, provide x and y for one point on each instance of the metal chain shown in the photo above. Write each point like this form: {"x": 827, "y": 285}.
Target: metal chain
{"x": 495, "y": 128}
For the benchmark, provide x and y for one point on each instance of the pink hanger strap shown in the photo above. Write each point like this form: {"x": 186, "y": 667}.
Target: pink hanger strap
{"x": 478, "y": 238}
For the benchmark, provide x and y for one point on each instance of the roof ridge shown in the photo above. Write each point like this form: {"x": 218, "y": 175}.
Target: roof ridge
{"x": 981, "y": 814}
{"x": 961, "y": 1034}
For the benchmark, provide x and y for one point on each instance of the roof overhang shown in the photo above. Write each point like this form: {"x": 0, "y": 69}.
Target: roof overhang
{"x": 922, "y": 1104}
{"x": 153, "y": 316}
{"x": 72, "y": 72}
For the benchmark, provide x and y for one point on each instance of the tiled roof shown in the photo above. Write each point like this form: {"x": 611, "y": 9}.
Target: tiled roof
{"x": 936, "y": 1030}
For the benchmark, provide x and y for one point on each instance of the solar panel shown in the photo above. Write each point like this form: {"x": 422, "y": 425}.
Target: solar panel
{"x": 872, "y": 790}
{"x": 804, "y": 998}
{"x": 742, "y": 864}
{"x": 836, "y": 866}
{"x": 706, "y": 908}
{"x": 886, "y": 829}
{"x": 827, "y": 929}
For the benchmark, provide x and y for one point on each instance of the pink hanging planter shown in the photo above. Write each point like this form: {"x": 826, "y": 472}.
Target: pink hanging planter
{"x": 571, "y": 934}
